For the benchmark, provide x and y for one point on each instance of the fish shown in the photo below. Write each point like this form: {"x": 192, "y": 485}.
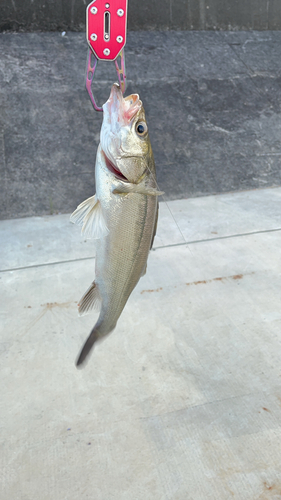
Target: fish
{"x": 122, "y": 215}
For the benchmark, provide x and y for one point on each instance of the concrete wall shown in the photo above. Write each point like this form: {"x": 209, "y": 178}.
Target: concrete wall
{"x": 48, "y": 15}
{"x": 212, "y": 103}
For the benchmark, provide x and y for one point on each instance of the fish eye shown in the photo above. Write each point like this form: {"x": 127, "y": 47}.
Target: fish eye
{"x": 141, "y": 128}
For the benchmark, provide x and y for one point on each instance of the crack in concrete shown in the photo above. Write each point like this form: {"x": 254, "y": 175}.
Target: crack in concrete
{"x": 253, "y": 233}
{"x": 186, "y": 408}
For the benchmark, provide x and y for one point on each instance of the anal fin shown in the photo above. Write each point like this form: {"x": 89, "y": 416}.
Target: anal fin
{"x": 89, "y": 215}
{"x": 89, "y": 300}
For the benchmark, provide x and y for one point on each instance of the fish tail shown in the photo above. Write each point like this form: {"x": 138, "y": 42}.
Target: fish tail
{"x": 99, "y": 331}
{"x": 93, "y": 337}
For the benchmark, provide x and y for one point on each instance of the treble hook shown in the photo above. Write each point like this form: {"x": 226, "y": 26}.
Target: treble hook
{"x": 91, "y": 68}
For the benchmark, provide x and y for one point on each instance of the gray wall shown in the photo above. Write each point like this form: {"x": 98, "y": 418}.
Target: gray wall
{"x": 212, "y": 101}
{"x": 48, "y": 15}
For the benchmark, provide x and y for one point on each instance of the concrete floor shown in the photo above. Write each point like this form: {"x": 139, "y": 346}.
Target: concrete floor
{"x": 183, "y": 400}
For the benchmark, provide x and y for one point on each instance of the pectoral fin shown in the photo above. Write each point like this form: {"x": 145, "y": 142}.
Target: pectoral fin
{"x": 136, "y": 188}
{"x": 89, "y": 215}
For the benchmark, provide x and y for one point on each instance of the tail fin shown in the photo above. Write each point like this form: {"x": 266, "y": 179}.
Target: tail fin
{"x": 93, "y": 337}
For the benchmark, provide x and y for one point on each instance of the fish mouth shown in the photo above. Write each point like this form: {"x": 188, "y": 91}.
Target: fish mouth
{"x": 114, "y": 169}
{"x": 134, "y": 105}
{"x": 127, "y": 107}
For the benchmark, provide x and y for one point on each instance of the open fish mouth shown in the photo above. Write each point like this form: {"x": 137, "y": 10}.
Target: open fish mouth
{"x": 134, "y": 105}
{"x": 126, "y": 108}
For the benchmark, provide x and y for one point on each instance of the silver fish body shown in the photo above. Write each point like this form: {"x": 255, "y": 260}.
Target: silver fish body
{"x": 122, "y": 215}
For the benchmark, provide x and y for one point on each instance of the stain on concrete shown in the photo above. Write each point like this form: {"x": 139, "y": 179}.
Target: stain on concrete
{"x": 222, "y": 279}
{"x": 150, "y": 291}
{"x": 204, "y": 282}
{"x": 49, "y": 306}
{"x": 271, "y": 491}
{"x": 52, "y": 305}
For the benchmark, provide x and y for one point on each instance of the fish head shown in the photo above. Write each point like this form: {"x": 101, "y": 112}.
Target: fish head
{"x": 124, "y": 136}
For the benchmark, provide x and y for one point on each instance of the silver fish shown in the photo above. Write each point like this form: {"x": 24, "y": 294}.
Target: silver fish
{"x": 122, "y": 215}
